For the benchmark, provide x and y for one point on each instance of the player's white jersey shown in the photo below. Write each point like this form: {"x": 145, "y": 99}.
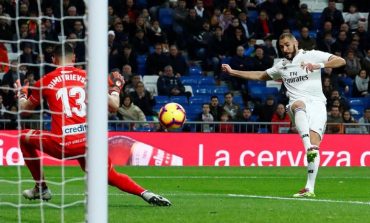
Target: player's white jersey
{"x": 298, "y": 82}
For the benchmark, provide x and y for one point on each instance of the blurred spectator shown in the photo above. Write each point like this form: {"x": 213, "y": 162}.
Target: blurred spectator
{"x": 364, "y": 37}
{"x": 6, "y": 30}
{"x": 49, "y": 32}
{"x": 353, "y": 17}
{"x": 365, "y": 62}
{"x": 334, "y": 79}
{"x": 270, "y": 7}
{"x": 280, "y": 115}
{"x": 128, "y": 57}
{"x": 238, "y": 62}
{"x": 200, "y": 10}
{"x": 303, "y": 18}
{"x": 78, "y": 47}
{"x": 320, "y": 36}
{"x": 237, "y": 39}
{"x": 54, "y": 23}
{"x": 12, "y": 116}
{"x": 193, "y": 28}
{"x": 233, "y": 7}
{"x": 341, "y": 44}
{"x": 170, "y": 85}
{"x": 113, "y": 49}
{"x": 353, "y": 65}
{"x": 155, "y": 33}
{"x": 215, "y": 108}
{"x": 156, "y": 61}
{"x": 177, "y": 61}
{"x": 269, "y": 49}
{"x": 232, "y": 109}
{"x": 140, "y": 43}
{"x": 327, "y": 43}
{"x": 248, "y": 26}
{"x": 205, "y": 116}
{"x": 129, "y": 111}
{"x": 279, "y": 24}
{"x": 180, "y": 13}
{"x": 266, "y": 110}
{"x": 79, "y": 29}
{"x": 246, "y": 127}
{"x": 3, "y": 59}
{"x": 131, "y": 10}
{"x": 264, "y": 26}
{"x": 365, "y": 120}
{"x": 336, "y": 96}
{"x": 131, "y": 84}
{"x": 327, "y": 87}
{"x": 348, "y": 119}
{"x": 3, "y": 109}
{"x": 13, "y": 74}
{"x": 225, "y": 19}
{"x": 69, "y": 19}
{"x": 225, "y": 126}
{"x": 361, "y": 86}
{"x": 8, "y": 95}
{"x": 28, "y": 56}
{"x": 218, "y": 49}
{"x": 306, "y": 42}
{"x": 126, "y": 72}
{"x": 197, "y": 48}
{"x": 143, "y": 99}
{"x": 334, "y": 121}
{"x": 229, "y": 32}
{"x": 332, "y": 14}
{"x": 260, "y": 61}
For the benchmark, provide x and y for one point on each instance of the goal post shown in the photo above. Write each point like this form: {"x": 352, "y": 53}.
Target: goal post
{"x": 97, "y": 67}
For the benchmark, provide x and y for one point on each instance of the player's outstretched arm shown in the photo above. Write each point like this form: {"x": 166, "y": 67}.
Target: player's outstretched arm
{"x": 333, "y": 62}
{"x": 250, "y": 75}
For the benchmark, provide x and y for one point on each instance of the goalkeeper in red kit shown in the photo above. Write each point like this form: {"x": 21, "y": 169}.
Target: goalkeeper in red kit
{"x": 64, "y": 89}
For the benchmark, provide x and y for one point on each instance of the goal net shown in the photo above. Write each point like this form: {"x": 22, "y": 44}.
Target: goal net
{"x": 30, "y": 32}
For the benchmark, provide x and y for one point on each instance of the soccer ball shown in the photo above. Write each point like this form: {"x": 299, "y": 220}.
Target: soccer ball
{"x": 172, "y": 116}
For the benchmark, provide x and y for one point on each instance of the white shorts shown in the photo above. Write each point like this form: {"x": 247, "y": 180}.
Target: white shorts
{"x": 316, "y": 115}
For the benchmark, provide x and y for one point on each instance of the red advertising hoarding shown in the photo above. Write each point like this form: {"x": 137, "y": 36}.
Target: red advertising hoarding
{"x": 214, "y": 149}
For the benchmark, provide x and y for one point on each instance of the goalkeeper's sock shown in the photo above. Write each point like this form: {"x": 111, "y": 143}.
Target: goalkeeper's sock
{"x": 302, "y": 125}
{"x": 313, "y": 163}
{"x": 32, "y": 160}
{"x": 124, "y": 183}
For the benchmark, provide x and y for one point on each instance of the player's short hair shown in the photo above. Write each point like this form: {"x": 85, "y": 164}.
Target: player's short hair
{"x": 287, "y": 35}
{"x": 63, "y": 49}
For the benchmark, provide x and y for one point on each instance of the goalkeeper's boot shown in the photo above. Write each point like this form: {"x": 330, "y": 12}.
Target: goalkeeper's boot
{"x": 36, "y": 193}
{"x": 155, "y": 199}
{"x": 304, "y": 193}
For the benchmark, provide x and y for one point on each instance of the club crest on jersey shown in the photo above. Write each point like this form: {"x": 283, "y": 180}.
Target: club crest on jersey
{"x": 118, "y": 83}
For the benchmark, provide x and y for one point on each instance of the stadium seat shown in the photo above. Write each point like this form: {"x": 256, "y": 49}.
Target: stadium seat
{"x": 165, "y": 17}
{"x": 252, "y": 15}
{"x": 255, "y": 83}
{"x": 141, "y": 3}
{"x": 182, "y": 100}
{"x": 190, "y": 80}
{"x": 199, "y": 99}
{"x": 316, "y": 17}
{"x": 189, "y": 89}
{"x": 220, "y": 89}
{"x": 202, "y": 90}
{"x": 195, "y": 71}
{"x": 162, "y": 99}
{"x": 239, "y": 100}
{"x": 206, "y": 81}
{"x": 150, "y": 79}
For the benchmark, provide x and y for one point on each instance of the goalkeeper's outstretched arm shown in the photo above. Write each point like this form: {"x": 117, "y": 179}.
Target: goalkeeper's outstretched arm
{"x": 249, "y": 75}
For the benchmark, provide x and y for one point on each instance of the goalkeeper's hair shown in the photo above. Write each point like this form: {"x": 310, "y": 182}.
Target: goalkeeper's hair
{"x": 63, "y": 50}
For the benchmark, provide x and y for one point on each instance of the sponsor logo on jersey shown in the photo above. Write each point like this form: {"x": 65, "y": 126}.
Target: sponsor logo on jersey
{"x": 296, "y": 79}
{"x": 74, "y": 129}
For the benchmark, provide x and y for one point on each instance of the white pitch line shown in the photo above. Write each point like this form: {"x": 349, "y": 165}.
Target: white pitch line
{"x": 299, "y": 199}
{"x": 227, "y": 196}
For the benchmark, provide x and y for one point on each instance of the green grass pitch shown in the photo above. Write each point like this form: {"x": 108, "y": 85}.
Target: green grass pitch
{"x": 200, "y": 194}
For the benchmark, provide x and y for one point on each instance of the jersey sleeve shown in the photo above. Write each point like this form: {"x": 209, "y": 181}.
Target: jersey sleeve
{"x": 274, "y": 72}
{"x": 35, "y": 97}
{"x": 320, "y": 56}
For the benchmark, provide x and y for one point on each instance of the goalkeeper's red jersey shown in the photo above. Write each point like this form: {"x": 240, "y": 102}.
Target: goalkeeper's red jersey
{"x": 64, "y": 91}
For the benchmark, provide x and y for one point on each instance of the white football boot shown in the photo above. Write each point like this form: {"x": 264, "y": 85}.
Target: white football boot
{"x": 155, "y": 199}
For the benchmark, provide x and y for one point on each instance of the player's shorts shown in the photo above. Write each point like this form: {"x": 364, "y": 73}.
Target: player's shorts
{"x": 54, "y": 145}
{"x": 316, "y": 114}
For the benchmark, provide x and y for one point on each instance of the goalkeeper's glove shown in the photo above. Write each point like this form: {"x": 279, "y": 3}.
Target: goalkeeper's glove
{"x": 115, "y": 82}
{"x": 21, "y": 91}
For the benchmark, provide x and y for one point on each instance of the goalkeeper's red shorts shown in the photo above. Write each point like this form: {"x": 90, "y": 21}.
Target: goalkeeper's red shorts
{"x": 54, "y": 145}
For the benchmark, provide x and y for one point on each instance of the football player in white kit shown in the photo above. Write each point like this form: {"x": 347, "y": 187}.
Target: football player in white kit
{"x": 300, "y": 72}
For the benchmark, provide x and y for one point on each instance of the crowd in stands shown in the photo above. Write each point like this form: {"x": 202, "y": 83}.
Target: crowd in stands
{"x": 174, "y": 39}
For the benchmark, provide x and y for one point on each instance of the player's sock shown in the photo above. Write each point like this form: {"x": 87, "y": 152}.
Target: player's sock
{"x": 32, "y": 160}
{"x": 302, "y": 125}
{"x": 124, "y": 183}
{"x": 313, "y": 162}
